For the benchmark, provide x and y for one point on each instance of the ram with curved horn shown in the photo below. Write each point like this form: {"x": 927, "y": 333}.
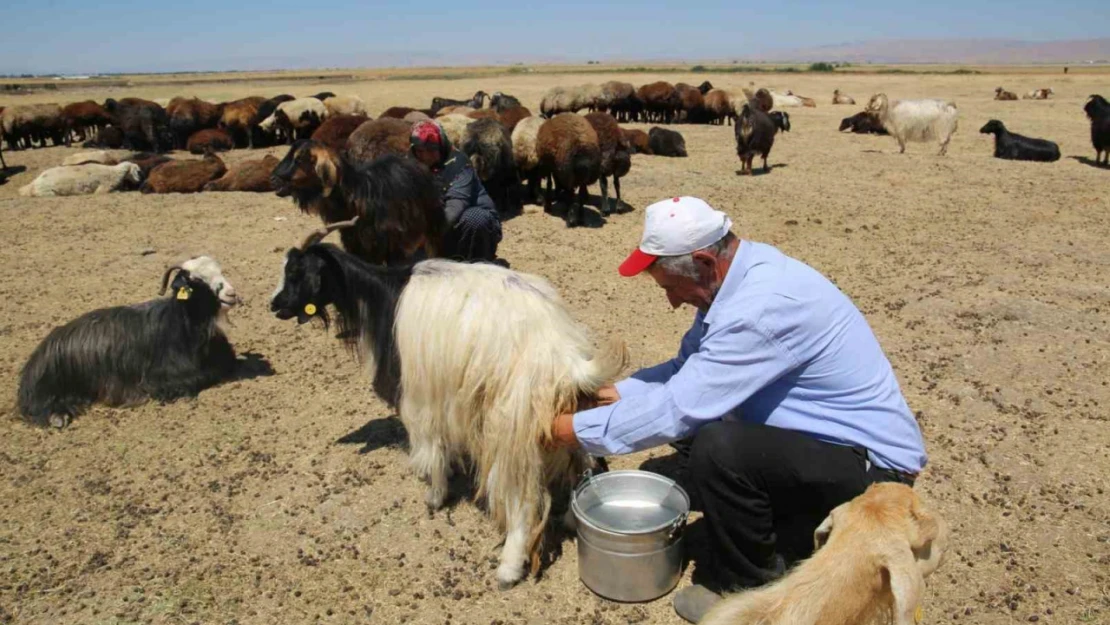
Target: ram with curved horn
{"x": 471, "y": 389}
{"x": 162, "y": 349}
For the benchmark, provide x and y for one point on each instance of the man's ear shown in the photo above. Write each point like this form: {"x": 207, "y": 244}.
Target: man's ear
{"x": 706, "y": 264}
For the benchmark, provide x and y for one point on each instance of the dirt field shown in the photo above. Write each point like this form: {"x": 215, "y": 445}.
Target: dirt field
{"x": 285, "y": 499}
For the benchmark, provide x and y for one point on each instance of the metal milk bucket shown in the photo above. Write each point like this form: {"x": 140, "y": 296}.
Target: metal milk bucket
{"x": 630, "y": 526}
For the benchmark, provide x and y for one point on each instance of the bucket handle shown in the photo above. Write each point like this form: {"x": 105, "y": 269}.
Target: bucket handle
{"x": 677, "y": 526}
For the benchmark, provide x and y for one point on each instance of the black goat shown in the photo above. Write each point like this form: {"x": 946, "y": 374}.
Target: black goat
{"x": 162, "y": 349}
{"x": 502, "y": 102}
{"x": 1016, "y": 147}
{"x": 863, "y": 123}
{"x": 1098, "y": 111}
{"x": 665, "y": 142}
{"x": 395, "y": 199}
{"x": 781, "y": 119}
{"x": 755, "y": 134}
{"x": 323, "y": 95}
{"x": 475, "y": 103}
{"x": 365, "y": 297}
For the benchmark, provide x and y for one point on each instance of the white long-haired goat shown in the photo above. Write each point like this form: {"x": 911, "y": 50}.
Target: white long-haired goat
{"x": 916, "y": 120}
{"x": 478, "y": 359}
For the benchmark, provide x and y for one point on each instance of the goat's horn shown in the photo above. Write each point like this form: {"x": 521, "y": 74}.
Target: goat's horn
{"x": 318, "y": 235}
{"x": 166, "y": 278}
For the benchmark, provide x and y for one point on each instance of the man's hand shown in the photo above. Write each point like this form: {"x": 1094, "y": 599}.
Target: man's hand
{"x": 562, "y": 430}
{"x": 608, "y": 395}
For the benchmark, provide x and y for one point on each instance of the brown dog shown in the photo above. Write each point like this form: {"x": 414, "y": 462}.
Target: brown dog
{"x": 873, "y": 554}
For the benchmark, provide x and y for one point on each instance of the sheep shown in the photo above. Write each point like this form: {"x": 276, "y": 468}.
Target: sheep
{"x": 378, "y": 137}
{"x": 864, "y": 122}
{"x": 323, "y": 95}
{"x": 28, "y": 123}
{"x": 755, "y": 134}
{"x": 209, "y": 140}
{"x": 525, "y": 156}
{"x": 110, "y": 137}
{"x": 415, "y": 116}
{"x": 345, "y": 105}
{"x": 252, "y": 176}
{"x": 337, "y": 129}
{"x": 162, "y": 349}
{"x": 916, "y": 120}
{"x": 781, "y": 120}
{"x": 1015, "y": 147}
{"x": 475, "y": 102}
{"x": 455, "y": 110}
{"x": 569, "y": 153}
{"x": 760, "y": 99}
{"x": 718, "y": 105}
{"x": 83, "y": 117}
{"x": 188, "y": 116}
{"x": 238, "y": 118}
{"x": 399, "y": 112}
{"x": 146, "y": 162}
{"x": 484, "y": 114}
{"x": 1038, "y": 94}
{"x": 265, "y": 110}
{"x": 145, "y": 124}
{"x": 298, "y": 119}
{"x": 1098, "y": 111}
{"x": 691, "y": 103}
{"x": 502, "y": 102}
{"x": 454, "y": 126}
{"x": 482, "y": 392}
{"x": 620, "y": 100}
{"x": 842, "y": 98}
{"x": 395, "y": 198}
{"x": 637, "y": 140}
{"x": 1002, "y": 94}
{"x": 559, "y": 100}
{"x": 102, "y": 157}
{"x": 510, "y": 117}
{"x": 490, "y": 149}
{"x": 788, "y": 99}
{"x": 184, "y": 176}
{"x": 661, "y": 101}
{"x": 82, "y": 180}
{"x": 616, "y": 157}
{"x": 665, "y": 142}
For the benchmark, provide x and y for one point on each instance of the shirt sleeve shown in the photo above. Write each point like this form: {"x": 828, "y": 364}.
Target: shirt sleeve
{"x": 651, "y": 378}
{"x": 731, "y": 365}
{"x": 458, "y": 196}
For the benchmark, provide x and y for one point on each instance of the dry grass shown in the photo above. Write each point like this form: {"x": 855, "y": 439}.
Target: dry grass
{"x": 284, "y": 499}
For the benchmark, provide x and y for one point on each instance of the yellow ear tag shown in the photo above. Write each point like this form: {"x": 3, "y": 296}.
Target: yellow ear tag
{"x": 183, "y": 293}
{"x": 919, "y": 614}
{"x": 310, "y": 309}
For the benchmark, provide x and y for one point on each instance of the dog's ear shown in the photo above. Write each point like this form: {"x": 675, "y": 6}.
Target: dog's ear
{"x": 928, "y": 536}
{"x": 824, "y": 530}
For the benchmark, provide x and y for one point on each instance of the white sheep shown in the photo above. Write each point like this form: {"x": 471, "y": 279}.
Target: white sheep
{"x": 788, "y": 99}
{"x": 82, "y": 180}
{"x": 916, "y": 120}
{"x": 569, "y": 99}
{"x": 299, "y": 118}
{"x": 104, "y": 157}
{"x": 345, "y": 105}
{"x": 454, "y": 125}
{"x": 842, "y": 98}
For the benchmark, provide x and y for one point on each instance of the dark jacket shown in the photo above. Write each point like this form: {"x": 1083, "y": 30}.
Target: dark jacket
{"x": 460, "y": 187}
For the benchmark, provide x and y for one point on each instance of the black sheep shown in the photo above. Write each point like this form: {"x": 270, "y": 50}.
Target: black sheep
{"x": 863, "y": 123}
{"x": 162, "y": 349}
{"x": 1016, "y": 147}
{"x": 755, "y": 134}
{"x": 145, "y": 124}
{"x": 323, "y": 95}
{"x": 1098, "y": 111}
{"x": 265, "y": 110}
{"x": 502, "y": 102}
{"x": 665, "y": 142}
{"x": 781, "y": 119}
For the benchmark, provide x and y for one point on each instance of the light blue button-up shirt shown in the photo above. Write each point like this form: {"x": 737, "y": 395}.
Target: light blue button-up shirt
{"x": 781, "y": 346}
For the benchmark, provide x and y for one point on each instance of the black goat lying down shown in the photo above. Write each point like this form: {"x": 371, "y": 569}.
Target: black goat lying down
{"x": 1016, "y": 147}
{"x": 863, "y": 123}
{"x": 162, "y": 349}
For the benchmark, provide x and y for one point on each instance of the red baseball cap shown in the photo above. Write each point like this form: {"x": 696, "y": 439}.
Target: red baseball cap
{"x": 675, "y": 227}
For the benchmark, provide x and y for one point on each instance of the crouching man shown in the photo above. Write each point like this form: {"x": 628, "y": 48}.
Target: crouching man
{"x": 790, "y": 403}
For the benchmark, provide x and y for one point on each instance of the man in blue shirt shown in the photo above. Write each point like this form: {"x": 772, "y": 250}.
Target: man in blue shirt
{"x": 791, "y": 404}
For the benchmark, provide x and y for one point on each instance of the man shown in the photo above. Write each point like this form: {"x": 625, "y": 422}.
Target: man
{"x": 791, "y": 405}
{"x": 472, "y": 218}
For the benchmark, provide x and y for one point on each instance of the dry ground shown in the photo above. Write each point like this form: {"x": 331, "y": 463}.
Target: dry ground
{"x": 285, "y": 499}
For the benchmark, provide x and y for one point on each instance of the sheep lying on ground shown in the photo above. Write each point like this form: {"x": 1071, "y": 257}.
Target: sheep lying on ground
{"x": 637, "y": 140}
{"x": 210, "y": 140}
{"x": 146, "y": 161}
{"x": 1098, "y": 111}
{"x": 569, "y": 154}
{"x": 1002, "y": 94}
{"x": 83, "y": 180}
{"x": 841, "y": 98}
{"x": 252, "y": 176}
{"x": 863, "y": 122}
{"x": 916, "y": 120}
{"x": 873, "y": 555}
{"x": 184, "y": 176}
{"x": 1039, "y": 94}
{"x": 103, "y": 157}
{"x": 481, "y": 393}
{"x": 665, "y": 142}
{"x": 1015, "y": 147}
{"x": 162, "y": 349}
{"x": 375, "y": 138}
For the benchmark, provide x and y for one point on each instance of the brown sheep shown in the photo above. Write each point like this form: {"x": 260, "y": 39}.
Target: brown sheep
{"x": 252, "y": 176}
{"x": 27, "y": 123}
{"x": 83, "y": 117}
{"x": 483, "y": 114}
{"x": 209, "y": 140}
{"x": 510, "y": 117}
{"x": 693, "y": 103}
{"x": 184, "y": 176}
{"x": 237, "y": 118}
{"x": 377, "y": 137}
{"x": 147, "y": 162}
{"x": 1002, "y": 94}
{"x": 398, "y": 112}
{"x": 189, "y": 115}
{"x": 718, "y": 106}
{"x": 661, "y": 101}
{"x": 335, "y": 131}
{"x": 455, "y": 110}
{"x": 621, "y": 100}
{"x": 637, "y": 141}
{"x": 569, "y": 153}
{"x": 616, "y": 157}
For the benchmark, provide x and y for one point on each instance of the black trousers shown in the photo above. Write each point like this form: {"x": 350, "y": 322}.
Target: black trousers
{"x": 764, "y": 490}
{"x": 475, "y": 235}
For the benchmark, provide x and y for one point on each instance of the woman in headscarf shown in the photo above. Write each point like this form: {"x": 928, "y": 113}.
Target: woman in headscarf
{"x": 472, "y": 219}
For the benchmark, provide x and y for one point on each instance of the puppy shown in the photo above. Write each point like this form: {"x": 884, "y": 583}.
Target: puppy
{"x": 873, "y": 554}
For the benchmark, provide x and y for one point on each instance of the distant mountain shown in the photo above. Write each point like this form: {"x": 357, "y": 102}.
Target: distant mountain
{"x": 970, "y": 51}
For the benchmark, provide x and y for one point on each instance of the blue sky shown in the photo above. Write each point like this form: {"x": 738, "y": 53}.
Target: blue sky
{"x": 79, "y": 36}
